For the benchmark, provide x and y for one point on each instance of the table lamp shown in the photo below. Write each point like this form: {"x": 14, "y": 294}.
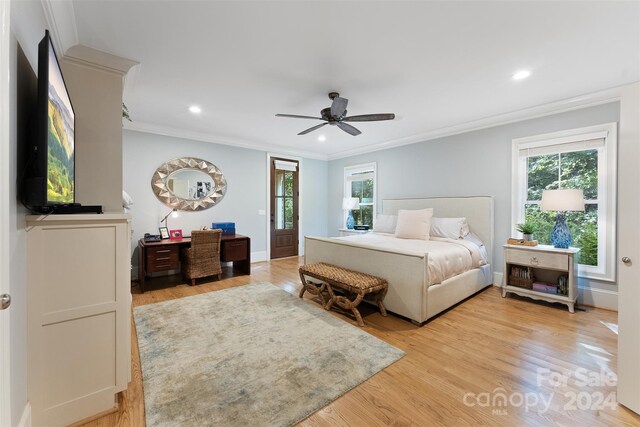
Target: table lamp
{"x": 173, "y": 213}
{"x": 349, "y": 204}
{"x": 562, "y": 201}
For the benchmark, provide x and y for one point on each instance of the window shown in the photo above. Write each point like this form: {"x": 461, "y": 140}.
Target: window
{"x": 360, "y": 182}
{"x": 580, "y": 158}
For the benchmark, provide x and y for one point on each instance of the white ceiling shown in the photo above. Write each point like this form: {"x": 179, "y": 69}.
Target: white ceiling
{"x": 439, "y": 66}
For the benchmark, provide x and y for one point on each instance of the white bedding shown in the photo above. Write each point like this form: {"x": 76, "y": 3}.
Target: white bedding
{"x": 446, "y": 257}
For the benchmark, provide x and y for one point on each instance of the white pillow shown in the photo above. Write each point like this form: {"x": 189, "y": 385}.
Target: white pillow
{"x": 385, "y": 224}
{"x": 452, "y": 228}
{"x": 414, "y": 224}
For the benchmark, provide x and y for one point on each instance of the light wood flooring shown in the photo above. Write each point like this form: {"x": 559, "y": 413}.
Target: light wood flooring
{"x": 459, "y": 367}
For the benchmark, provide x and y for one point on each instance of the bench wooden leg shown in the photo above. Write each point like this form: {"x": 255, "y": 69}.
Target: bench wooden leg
{"x": 379, "y": 298}
{"x": 304, "y": 284}
{"x": 332, "y": 298}
{"x": 347, "y": 304}
{"x": 312, "y": 288}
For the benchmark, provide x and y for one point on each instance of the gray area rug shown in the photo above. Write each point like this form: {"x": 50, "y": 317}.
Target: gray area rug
{"x": 254, "y": 355}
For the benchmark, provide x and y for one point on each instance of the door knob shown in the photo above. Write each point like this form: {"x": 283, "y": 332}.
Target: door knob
{"x": 626, "y": 260}
{"x": 5, "y": 301}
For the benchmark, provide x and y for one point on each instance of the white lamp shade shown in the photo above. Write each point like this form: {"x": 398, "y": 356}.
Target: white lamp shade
{"x": 350, "y": 203}
{"x": 562, "y": 200}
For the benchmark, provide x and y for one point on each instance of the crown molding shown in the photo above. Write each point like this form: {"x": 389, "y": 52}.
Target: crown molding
{"x": 97, "y": 59}
{"x": 61, "y": 19}
{"x": 131, "y": 82}
{"x": 215, "y": 139}
{"x": 562, "y": 106}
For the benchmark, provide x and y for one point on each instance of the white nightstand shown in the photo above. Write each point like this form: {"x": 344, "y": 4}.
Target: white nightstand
{"x": 544, "y": 263}
{"x": 346, "y": 232}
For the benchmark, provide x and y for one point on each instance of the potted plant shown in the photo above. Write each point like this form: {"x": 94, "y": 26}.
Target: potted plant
{"x": 526, "y": 228}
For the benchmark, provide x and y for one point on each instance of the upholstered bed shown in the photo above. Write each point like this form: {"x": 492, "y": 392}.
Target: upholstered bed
{"x": 412, "y": 292}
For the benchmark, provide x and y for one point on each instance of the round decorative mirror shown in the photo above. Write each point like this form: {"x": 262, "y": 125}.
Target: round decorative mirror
{"x": 189, "y": 184}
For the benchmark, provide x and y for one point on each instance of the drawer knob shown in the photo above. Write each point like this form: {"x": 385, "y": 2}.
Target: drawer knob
{"x": 534, "y": 260}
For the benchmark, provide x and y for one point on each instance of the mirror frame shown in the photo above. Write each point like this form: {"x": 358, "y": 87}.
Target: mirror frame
{"x": 161, "y": 190}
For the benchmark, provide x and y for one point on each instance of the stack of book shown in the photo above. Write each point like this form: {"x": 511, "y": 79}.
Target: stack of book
{"x": 547, "y": 288}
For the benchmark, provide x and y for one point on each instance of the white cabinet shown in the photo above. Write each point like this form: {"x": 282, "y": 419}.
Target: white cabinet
{"x": 347, "y": 232}
{"x": 527, "y": 267}
{"x": 79, "y": 315}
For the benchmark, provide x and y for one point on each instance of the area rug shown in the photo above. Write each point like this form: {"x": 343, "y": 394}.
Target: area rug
{"x": 253, "y": 355}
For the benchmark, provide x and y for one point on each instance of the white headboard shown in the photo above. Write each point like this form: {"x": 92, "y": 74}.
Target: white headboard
{"x": 477, "y": 209}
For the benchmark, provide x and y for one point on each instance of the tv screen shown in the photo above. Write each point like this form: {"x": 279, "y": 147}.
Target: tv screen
{"x": 60, "y": 134}
{"x": 50, "y": 169}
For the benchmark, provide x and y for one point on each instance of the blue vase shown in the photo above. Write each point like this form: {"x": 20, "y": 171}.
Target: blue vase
{"x": 350, "y": 221}
{"x": 561, "y": 235}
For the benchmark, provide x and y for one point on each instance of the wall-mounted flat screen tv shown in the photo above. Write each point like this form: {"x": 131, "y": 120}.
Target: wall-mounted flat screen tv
{"x": 50, "y": 172}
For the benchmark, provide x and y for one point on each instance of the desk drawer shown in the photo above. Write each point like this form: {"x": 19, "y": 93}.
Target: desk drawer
{"x": 234, "y": 250}
{"x": 537, "y": 259}
{"x": 153, "y": 251}
{"x": 162, "y": 258}
{"x": 162, "y": 262}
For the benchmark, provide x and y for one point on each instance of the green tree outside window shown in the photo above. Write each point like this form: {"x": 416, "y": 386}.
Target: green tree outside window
{"x": 577, "y": 169}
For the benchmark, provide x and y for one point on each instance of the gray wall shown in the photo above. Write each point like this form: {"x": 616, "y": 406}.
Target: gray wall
{"x": 246, "y": 174}
{"x": 471, "y": 164}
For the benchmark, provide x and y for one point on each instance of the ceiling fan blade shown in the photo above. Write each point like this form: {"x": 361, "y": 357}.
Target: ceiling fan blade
{"x": 349, "y": 129}
{"x": 295, "y": 116}
{"x": 339, "y": 106}
{"x": 311, "y": 129}
{"x": 370, "y": 117}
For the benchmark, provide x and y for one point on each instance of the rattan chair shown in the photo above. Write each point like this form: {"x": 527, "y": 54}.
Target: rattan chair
{"x": 202, "y": 259}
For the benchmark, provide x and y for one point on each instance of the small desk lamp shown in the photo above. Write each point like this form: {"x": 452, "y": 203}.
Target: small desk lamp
{"x": 562, "y": 201}
{"x": 173, "y": 213}
{"x": 349, "y": 204}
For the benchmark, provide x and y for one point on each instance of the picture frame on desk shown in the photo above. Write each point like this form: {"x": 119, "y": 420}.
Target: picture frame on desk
{"x": 164, "y": 232}
{"x": 176, "y": 234}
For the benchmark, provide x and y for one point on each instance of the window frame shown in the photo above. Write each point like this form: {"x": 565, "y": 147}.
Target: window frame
{"x": 350, "y": 171}
{"x": 607, "y": 189}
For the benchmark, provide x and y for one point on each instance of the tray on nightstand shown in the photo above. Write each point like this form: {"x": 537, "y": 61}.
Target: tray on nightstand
{"x": 521, "y": 242}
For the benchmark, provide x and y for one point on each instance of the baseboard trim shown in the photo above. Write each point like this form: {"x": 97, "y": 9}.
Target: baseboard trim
{"x": 25, "y": 419}
{"x": 258, "y": 256}
{"x": 599, "y": 298}
{"x": 497, "y": 279}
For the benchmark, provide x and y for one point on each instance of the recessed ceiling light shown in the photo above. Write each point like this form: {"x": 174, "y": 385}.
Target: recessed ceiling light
{"x": 322, "y": 138}
{"x": 195, "y": 109}
{"x": 521, "y": 75}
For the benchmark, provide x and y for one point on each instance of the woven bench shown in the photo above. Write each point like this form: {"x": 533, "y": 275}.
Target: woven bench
{"x": 352, "y": 282}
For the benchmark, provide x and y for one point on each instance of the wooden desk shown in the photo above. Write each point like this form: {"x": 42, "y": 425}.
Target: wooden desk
{"x": 165, "y": 255}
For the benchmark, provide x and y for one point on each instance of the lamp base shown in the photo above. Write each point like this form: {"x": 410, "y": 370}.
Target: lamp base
{"x": 561, "y": 235}
{"x": 350, "y": 221}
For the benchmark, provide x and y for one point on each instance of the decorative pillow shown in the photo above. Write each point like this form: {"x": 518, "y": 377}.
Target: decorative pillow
{"x": 385, "y": 224}
{"x": 414, "y": 224}
{"x": 452, "y": 228}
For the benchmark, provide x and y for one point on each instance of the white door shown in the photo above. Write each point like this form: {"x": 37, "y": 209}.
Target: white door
{"x": 629, "y": 250}
{"x": 5, "y": 401}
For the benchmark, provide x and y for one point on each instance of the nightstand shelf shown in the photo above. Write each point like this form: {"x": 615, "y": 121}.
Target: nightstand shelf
{"x": 542, "y": 263}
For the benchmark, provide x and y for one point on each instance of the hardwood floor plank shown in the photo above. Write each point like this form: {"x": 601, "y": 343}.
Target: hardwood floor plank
{"x": 482, "y": 346}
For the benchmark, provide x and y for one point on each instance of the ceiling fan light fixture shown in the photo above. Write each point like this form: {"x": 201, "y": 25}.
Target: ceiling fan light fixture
{"x": 336, "y": 115}
{"x": 195, "y": 109}
{"x": 322, "y": 138}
